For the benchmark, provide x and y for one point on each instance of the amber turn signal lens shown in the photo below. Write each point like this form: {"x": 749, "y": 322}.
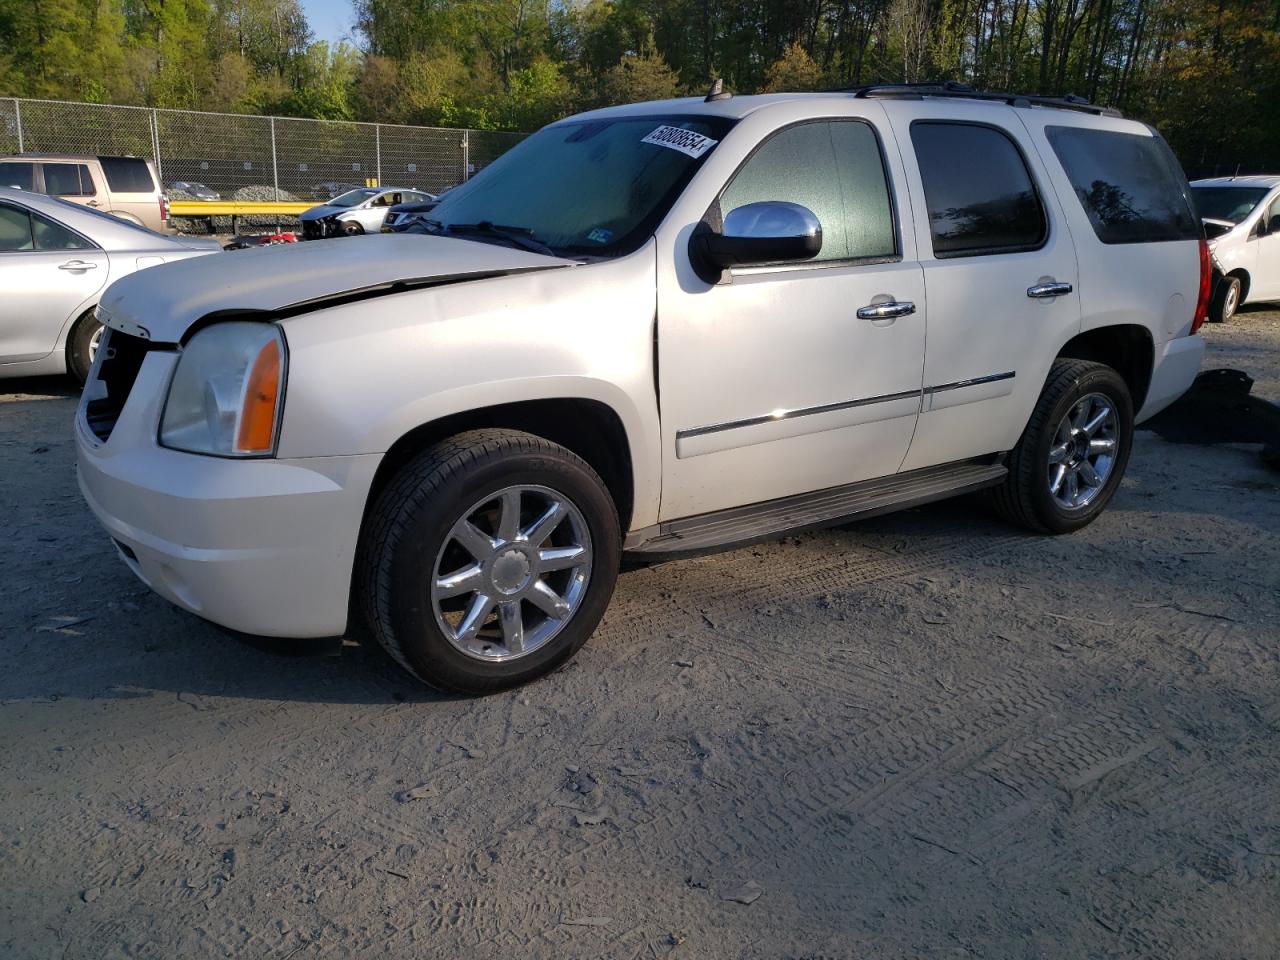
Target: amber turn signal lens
{"x": 258, "y": 415}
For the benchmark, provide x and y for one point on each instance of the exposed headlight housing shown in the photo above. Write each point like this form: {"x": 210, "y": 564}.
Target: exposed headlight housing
{"x": 227, "y": 392}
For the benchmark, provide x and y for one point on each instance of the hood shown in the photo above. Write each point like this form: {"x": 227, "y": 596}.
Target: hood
{"x": 324, "y": 210}
{"x": 162, "y": 303}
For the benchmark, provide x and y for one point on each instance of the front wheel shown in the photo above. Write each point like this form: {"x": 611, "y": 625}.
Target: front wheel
{"x": 352, "y": 229}
{"x": 1068, "y": 464}
{"x": 488, "y": 560}
{"x": 1226, "y": 300}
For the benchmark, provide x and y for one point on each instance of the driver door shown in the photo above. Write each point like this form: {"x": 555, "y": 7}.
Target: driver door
{"x": 1266, "y": 280}
{"x": 770, "y": 383}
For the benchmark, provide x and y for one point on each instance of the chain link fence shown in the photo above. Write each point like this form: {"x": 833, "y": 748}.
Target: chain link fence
{"x": 253, "y": 157}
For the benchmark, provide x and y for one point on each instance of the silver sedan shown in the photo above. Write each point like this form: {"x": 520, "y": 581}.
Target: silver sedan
{"x": 56, "y": 259}
{"x": 357, "y": 211}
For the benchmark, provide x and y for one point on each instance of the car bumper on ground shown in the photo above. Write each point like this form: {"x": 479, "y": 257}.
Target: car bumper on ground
{"x": 1176, "y": 366}
{"x": 260, "y": 546}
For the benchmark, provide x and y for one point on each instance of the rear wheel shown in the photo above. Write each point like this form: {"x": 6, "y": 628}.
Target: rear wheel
{"x": 488, "y": 560}
{"x": 1226, "y": 300}
{"x": 1069, "y": 462}
{"x": 82, "y": 346}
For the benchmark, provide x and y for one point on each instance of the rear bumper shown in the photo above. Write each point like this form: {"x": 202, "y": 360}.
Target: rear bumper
{"x": 1176, "y": 366}
{"x": 260, "y": 546}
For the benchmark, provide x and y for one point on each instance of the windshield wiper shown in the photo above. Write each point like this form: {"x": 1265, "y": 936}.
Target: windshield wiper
{"x": 521, "y": 237}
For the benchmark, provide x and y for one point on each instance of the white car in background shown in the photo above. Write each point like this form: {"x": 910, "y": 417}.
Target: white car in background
{"x": 1242, "y": 221}
{"x": 56, "y": 258}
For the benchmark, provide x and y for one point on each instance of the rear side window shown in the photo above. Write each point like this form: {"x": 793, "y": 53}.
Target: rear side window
{"x": 50, "y": 235}
{"x": 17, "y": 174}
{"x": 127, "y": 175}
{"x": 833, "y": 168}
{"x": 15, "y": 230}
{"x": 1130, "y": 185}
{"x": 67, "y": 180}
{"x": 978, "y": 189}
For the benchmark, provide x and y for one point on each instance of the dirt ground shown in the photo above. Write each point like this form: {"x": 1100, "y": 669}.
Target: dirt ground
{"x": 926, "y": 735}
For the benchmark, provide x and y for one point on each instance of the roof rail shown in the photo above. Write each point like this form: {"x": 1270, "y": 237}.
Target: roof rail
{"x": 950, "y": 88}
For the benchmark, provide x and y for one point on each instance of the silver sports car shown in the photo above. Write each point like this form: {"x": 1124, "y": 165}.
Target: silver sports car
{"x": 56, "y": 259}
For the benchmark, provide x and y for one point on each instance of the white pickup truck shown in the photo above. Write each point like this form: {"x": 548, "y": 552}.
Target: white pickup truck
{"x": 647, "y": 330}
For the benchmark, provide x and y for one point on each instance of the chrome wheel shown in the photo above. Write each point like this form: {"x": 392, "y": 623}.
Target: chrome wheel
{"x": 1232, "y": 301}
{"x": 1083, "y": 452}
{"x": 511, "y": 573}
{"x": 95, "y": 341}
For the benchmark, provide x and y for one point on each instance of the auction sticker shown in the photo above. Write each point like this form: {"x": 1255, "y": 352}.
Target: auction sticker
{"x": 677, "y": 138}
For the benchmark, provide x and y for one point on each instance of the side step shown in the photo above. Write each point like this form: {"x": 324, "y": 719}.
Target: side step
{"x": 820, "y": 508}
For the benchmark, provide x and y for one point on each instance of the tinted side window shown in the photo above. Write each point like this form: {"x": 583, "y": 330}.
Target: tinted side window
{"x": 978, "y": 190}
{"x": 64, "y": 180}
{"x": 834, "y": 169}
{"x": 15, "y": 230}
{"x": 54, "y": 236}
{"x": 127, "y": 175}
{"x": 18, "y": 174}
{"x": 1130, "y": 185}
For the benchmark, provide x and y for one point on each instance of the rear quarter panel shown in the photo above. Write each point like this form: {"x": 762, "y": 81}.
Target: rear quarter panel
{"x": 1154, "y": 285}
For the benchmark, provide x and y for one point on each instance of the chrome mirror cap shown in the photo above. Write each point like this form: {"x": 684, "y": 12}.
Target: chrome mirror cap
{"x": 772, "y": 220}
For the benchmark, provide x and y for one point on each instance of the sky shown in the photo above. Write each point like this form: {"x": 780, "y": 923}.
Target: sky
{"x": 330, "y": 19}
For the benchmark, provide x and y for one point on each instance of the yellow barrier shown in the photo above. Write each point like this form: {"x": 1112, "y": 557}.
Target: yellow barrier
{"x": 239, "y": 208}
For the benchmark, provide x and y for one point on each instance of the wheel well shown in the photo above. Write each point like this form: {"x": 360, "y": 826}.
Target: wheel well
{"x": 1127, "y": 349}
{"x": 587, "y": 427}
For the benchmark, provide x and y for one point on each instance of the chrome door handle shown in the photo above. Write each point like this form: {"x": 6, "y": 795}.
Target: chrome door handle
{"x": 77, "y": 266}
{"x": 887, "y": 311}
{"x": 1053, "y": 288}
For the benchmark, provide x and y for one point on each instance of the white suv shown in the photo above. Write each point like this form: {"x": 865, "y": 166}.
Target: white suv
{"x": 1242, "y": 219}
{"x": 646, "y": 330}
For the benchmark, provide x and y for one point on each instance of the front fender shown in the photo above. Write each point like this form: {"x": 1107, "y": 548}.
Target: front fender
{"x": 364, "y": 374}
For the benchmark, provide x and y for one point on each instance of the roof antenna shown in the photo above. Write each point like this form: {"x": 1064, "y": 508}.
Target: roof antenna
{"x": 717, "y": 92}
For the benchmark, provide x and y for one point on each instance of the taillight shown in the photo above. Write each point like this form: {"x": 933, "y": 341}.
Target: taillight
{"x": 1206, "y": 286}
{"x": 164, "y": 207}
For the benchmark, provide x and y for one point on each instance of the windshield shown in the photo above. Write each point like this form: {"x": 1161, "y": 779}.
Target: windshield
{"x": 1227, "y": 203}
{"x": 352, "y": 198}
{"x": 590, "y": 188}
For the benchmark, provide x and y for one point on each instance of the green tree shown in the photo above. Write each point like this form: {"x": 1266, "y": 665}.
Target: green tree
{"x": 794, "y": 70}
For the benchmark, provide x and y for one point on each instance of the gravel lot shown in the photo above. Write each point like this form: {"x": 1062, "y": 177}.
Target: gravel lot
{"x": 926, "y": 735}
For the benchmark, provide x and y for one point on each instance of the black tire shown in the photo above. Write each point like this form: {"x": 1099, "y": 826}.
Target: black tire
{"x": 352, "y": 229}
{"x": 79, "y": 346}
{"x": 1024, "y": 498}
{"x": 409, "y": 524}
{"x": 1226, "y": 300}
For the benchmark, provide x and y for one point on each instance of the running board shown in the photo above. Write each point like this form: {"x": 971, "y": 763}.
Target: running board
{"x": 809, "y": 510}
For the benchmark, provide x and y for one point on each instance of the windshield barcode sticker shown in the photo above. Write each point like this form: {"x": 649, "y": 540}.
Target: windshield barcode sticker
{"x": 676, "y": 138}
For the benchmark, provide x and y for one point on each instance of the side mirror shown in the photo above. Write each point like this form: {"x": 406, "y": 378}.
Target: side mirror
{"x": 770, "y": 231}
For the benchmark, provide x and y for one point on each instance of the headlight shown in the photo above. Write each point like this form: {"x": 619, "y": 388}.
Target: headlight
{"x": 227, "y": 391}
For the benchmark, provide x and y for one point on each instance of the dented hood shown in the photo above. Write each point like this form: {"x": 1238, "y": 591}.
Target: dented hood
{"x": 162, "y": 303}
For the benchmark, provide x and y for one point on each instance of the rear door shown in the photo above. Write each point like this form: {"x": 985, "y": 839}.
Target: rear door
{"x": 70, "y": 181}
{"x": 999, "y": 274}
{"x": 49, "y": 275}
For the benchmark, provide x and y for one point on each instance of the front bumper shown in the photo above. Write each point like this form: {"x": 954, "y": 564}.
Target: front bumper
{"x": 1176, "y": 366}
{"x": 260, "y": 546}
